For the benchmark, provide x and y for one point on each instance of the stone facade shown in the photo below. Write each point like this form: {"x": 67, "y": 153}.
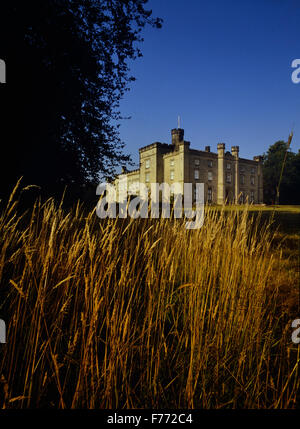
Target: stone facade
{"x": 226, "y": 176}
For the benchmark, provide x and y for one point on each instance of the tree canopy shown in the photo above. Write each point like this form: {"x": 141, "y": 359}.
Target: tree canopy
{"x": 290, "y": 183}
{"x": 66, "y": 73}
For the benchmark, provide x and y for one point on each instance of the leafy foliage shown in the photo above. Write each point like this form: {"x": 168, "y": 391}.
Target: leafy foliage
{"x": 67, "y": 71}
{"x": 290, "y": 184}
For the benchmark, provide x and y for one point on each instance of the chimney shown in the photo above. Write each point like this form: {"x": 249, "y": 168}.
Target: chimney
{"x": 207, "y": 148}
{"x": 177, "y": 136}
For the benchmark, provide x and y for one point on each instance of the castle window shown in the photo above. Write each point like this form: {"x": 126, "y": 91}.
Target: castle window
{"x": 147, "y": 164}
{"x": 197, "y": 162}
{"x": 172, "y": 163}
{"x": 209, "y": 163}
{"x": 172, "y": 175}
{"x": 252, "y": 196}
{"x": 210, "y": 175}
{"x": 252, "y": 170}
{"x": 228, "y": 177}
{"x": 242, "y": 169}
{"x": 147, "y": 177}
{"x": 196, "y": 174}
{"x": 242, "y": 179}
{"x": 228, "y": 166}
{"x": 252, "y": 180}
{"x": 209, "y": 195}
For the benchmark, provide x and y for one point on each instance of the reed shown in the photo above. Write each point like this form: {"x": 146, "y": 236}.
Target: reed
{"x": 144, "y": 313}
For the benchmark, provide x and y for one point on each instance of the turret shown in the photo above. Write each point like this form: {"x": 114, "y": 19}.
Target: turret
{"x": 177, "y": 137}
{"x": 235, "y": 151}
{"x": 221, "y": 149}
{"x": 235, "y": 154}
{"x": 260, "y": 190}
{"x": 221, "y": 187}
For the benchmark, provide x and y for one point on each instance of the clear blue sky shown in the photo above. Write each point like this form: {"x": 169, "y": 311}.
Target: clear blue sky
{"x": 224, "y": 66}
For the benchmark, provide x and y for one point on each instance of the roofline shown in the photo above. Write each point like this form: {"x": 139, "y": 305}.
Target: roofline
{"x": 248, "y": 161}
{"x": 156, "y": 144}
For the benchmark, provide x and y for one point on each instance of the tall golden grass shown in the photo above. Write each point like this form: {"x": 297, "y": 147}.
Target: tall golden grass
{"x": 143, "y": 313}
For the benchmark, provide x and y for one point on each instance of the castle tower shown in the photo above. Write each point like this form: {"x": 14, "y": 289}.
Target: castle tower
{"x": 221, "y": 184}
{"x": 260, "y": 190}
{"x": 177, "y": 137}
{"x": 235, "y": 154}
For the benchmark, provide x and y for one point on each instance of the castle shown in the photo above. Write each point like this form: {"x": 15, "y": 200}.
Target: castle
{"x": 226, "y": 176}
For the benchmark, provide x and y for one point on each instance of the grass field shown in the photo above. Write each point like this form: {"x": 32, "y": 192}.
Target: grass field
{"x": 146, "y": 314}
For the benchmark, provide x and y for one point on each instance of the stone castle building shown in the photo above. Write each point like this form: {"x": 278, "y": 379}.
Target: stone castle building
{"x": 226, "y": 176}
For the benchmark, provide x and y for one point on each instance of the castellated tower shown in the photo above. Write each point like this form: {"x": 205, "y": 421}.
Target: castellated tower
{"x": 177, "y": 137}
{"x": 181, "y": 156}
{"x": 260, "y": 193}
{"x": 235, "y": 154}
{"x": 221, "y": 173}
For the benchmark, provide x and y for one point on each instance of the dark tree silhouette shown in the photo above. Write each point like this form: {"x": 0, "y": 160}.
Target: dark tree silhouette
{"x": 290, "y": 183}
{"x": 66, "y": 73}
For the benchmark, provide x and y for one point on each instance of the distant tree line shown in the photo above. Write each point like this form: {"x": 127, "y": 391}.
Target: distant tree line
{"x": 289, "y": 190}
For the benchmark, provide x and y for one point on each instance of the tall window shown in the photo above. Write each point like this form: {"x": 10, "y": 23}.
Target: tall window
{"x": 196, "y": 174}
{"x": 147, "y": 164}
{"x": 147, "y": 177}
{"x": 172, "y": 175}
{"x": 209, "y": 195}
{"x": 194, "y": 192}
{"x": 197, "y": 162}
{"x": 242, "y": 169}
{"x": 228, "y": 166}
{"x": 209, "y": 163}
{"x": 252, "y": 180}
{"x": 228, "y": 177}
{"x": 210, "y": 175}
{"x": 172, "y": 163}
{"x": 251, "y": 196}
{"x": 252, "y": 170}
{"x": 242, "y": 179}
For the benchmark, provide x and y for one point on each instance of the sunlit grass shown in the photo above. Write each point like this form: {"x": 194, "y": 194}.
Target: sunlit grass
{"x": 262, "y": 208}
{"x": 144, "y": 313}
